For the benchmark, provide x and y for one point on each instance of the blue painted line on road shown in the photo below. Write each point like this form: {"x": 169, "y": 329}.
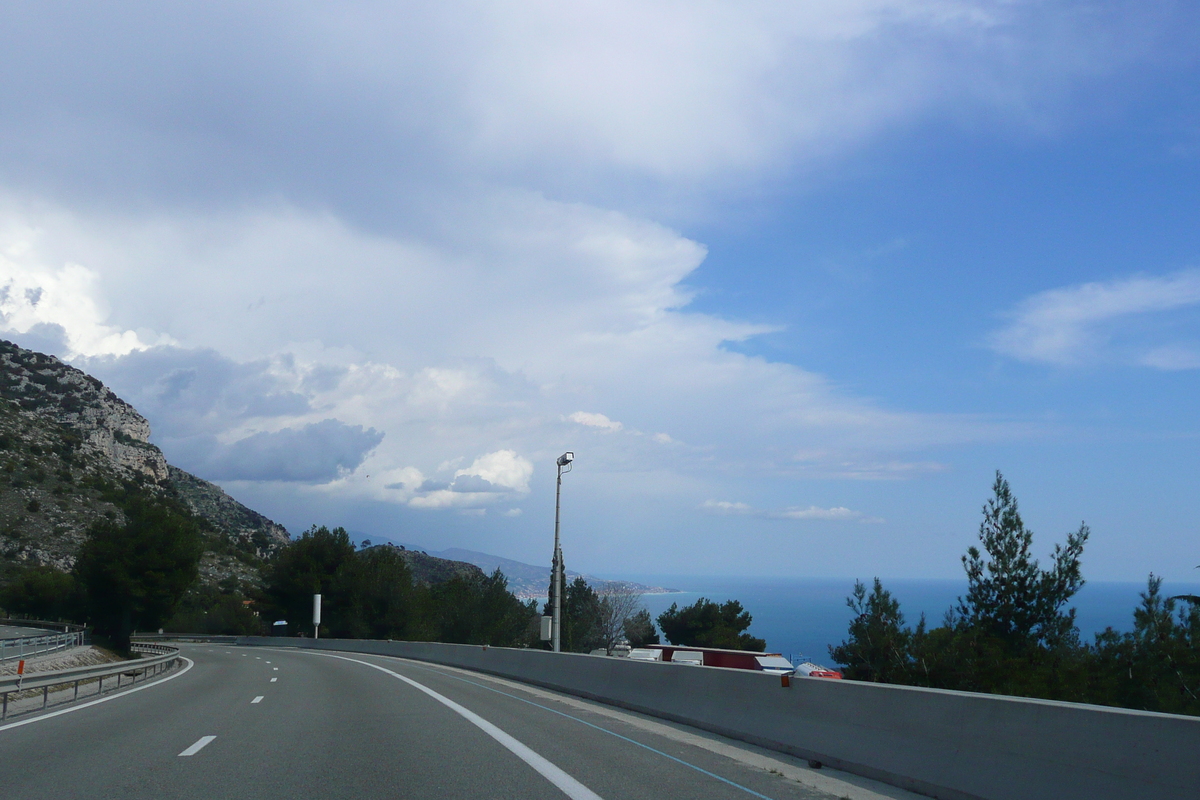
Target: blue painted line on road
{"x": 701, "y": 770}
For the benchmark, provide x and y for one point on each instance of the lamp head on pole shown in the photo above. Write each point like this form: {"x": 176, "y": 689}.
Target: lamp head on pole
{"x": 566, "y": 458}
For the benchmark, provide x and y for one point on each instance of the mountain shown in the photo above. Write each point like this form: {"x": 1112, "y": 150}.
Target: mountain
{"x": 429, "y": 569}
{"x": 528, "y": 580}
{"x": 66, "y": 441}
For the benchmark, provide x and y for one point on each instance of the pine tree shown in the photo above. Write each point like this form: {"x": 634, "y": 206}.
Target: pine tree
{"x": 1008, "y": 595}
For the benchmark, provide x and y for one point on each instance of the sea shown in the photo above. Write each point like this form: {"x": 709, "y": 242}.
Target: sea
{"x": 802, "y": 617}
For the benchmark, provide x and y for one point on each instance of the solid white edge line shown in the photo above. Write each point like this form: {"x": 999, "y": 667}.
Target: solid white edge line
{"x": 568, "y": 785}
{"x": 200, "y": 744}
{"x": 99, "y": 700}
{"x": 258, "y": 699}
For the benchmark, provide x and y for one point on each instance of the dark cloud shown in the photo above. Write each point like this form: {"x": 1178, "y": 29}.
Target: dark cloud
{"x": 190, "y": 392}
{"x": 42, "y": 338}
{"x": 314, "y": 453}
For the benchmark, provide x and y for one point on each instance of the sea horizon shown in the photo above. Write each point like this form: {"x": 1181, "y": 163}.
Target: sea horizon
{"x": 801, "y": 618}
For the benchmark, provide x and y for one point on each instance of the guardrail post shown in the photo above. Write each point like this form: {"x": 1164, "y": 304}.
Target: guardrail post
{"x": 4, "y": 713}
{"x": 76, "y": 690}
{"x": 45, "y": 696}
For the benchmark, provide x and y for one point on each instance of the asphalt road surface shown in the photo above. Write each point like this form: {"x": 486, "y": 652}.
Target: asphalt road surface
{"x": 243, "y": 722}
{"x": 9, "y": 632}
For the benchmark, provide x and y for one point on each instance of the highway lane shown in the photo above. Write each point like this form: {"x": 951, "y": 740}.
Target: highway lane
{"x": 13, "y": 632}
{"x": 347, "y": 725}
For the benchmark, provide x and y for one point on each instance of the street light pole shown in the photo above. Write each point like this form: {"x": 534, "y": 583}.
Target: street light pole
{"x": 563, "y": 461}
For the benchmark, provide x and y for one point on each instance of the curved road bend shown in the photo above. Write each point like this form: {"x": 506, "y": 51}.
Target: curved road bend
{"x": 10, "y": 632}
{"x": 246, "y": 722}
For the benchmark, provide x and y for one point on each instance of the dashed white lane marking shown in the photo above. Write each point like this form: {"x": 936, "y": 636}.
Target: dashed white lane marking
{"x": 258, "y": 699}
{"x": 268, "y": 662}
{"x": 565, "y": 783}
{"x": 258, "y": 658}
{"x": 200, "y": 744}
{"x": 275, "y": 668}
{"x": 274, "y": 679}
{"x": 99, "y": 700}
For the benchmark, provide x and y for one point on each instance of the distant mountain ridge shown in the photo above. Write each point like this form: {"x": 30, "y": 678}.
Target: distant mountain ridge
{"x": 528, "y": 581}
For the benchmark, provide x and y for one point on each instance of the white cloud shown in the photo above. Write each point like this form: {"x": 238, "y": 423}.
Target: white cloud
{"x": 726, "y": 507}
{"x": 835, "y": 514}
{"x": 414, "y": 337}
{"x": 503, "y": 468}
{"x": 1095, "y": 322}
{"x": 595, "y": 421}
{"x": 610, "y": 99}
{"x": 35, "y": 294}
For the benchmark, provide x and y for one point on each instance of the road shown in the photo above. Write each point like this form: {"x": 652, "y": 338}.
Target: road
{"x": 243, "y": 722}
{"x": 10, "y": 632}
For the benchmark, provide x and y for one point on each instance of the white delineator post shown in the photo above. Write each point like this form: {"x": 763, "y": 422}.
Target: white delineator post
{"x": 316, "y": 616}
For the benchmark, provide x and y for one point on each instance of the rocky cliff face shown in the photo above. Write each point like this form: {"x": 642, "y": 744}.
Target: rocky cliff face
{"x": 245, "y": 525}
{"x": 64, "y": 438}
{"x": 43, "y": 387}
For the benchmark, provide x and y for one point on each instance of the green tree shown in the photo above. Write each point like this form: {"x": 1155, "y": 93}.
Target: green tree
{"x": 640, "y": 631}
{"x": 582, "y": 621}
{"x": 214, "y": 610}
{"x": 474, "y": 611}
{"x": 582, "y": 615}
{"x": 134, "y": 575}
{"x": 309, "y": 565}
{"x": 1008, "y": 595}
{"x": 707, "y": 624}
{"x": 879, "y": 647}
{"x": 41, "y": 593}
{"x": 373, "y": 595}
{"x": 1156, "y": 667}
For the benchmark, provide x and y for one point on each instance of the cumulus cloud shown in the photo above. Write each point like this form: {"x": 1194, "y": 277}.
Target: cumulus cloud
{"x": 835, "y": 514}
{"x": 54, "y": 306}
{"x": 415, "y": 338}
{"x": 1102, "y": 321}
{"x": 308, "y": 226}
{"x": 595, "y": 421}
{"x": 491, "y": 478}
{"x": 502, "y": 470}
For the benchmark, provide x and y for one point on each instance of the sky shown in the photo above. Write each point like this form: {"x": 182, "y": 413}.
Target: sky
{"x": 792, "y": 280}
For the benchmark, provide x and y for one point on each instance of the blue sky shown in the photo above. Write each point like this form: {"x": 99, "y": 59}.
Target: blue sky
{"x": 793, "y": 280}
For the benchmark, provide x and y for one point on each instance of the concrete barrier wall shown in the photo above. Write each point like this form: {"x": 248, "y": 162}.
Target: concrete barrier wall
{"x": 952, "y": 745}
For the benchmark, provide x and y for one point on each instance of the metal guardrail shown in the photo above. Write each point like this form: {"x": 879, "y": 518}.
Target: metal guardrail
{"x": 160, "y": 658}
{"x": 25, "y": 646}
{"x": 209, "y": 638}
{"x": 57, "y": 636}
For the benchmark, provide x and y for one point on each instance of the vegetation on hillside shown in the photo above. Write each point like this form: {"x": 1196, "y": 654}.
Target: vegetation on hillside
{"x": 1012, "y": 632}
{"x": 370, "y": 593}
